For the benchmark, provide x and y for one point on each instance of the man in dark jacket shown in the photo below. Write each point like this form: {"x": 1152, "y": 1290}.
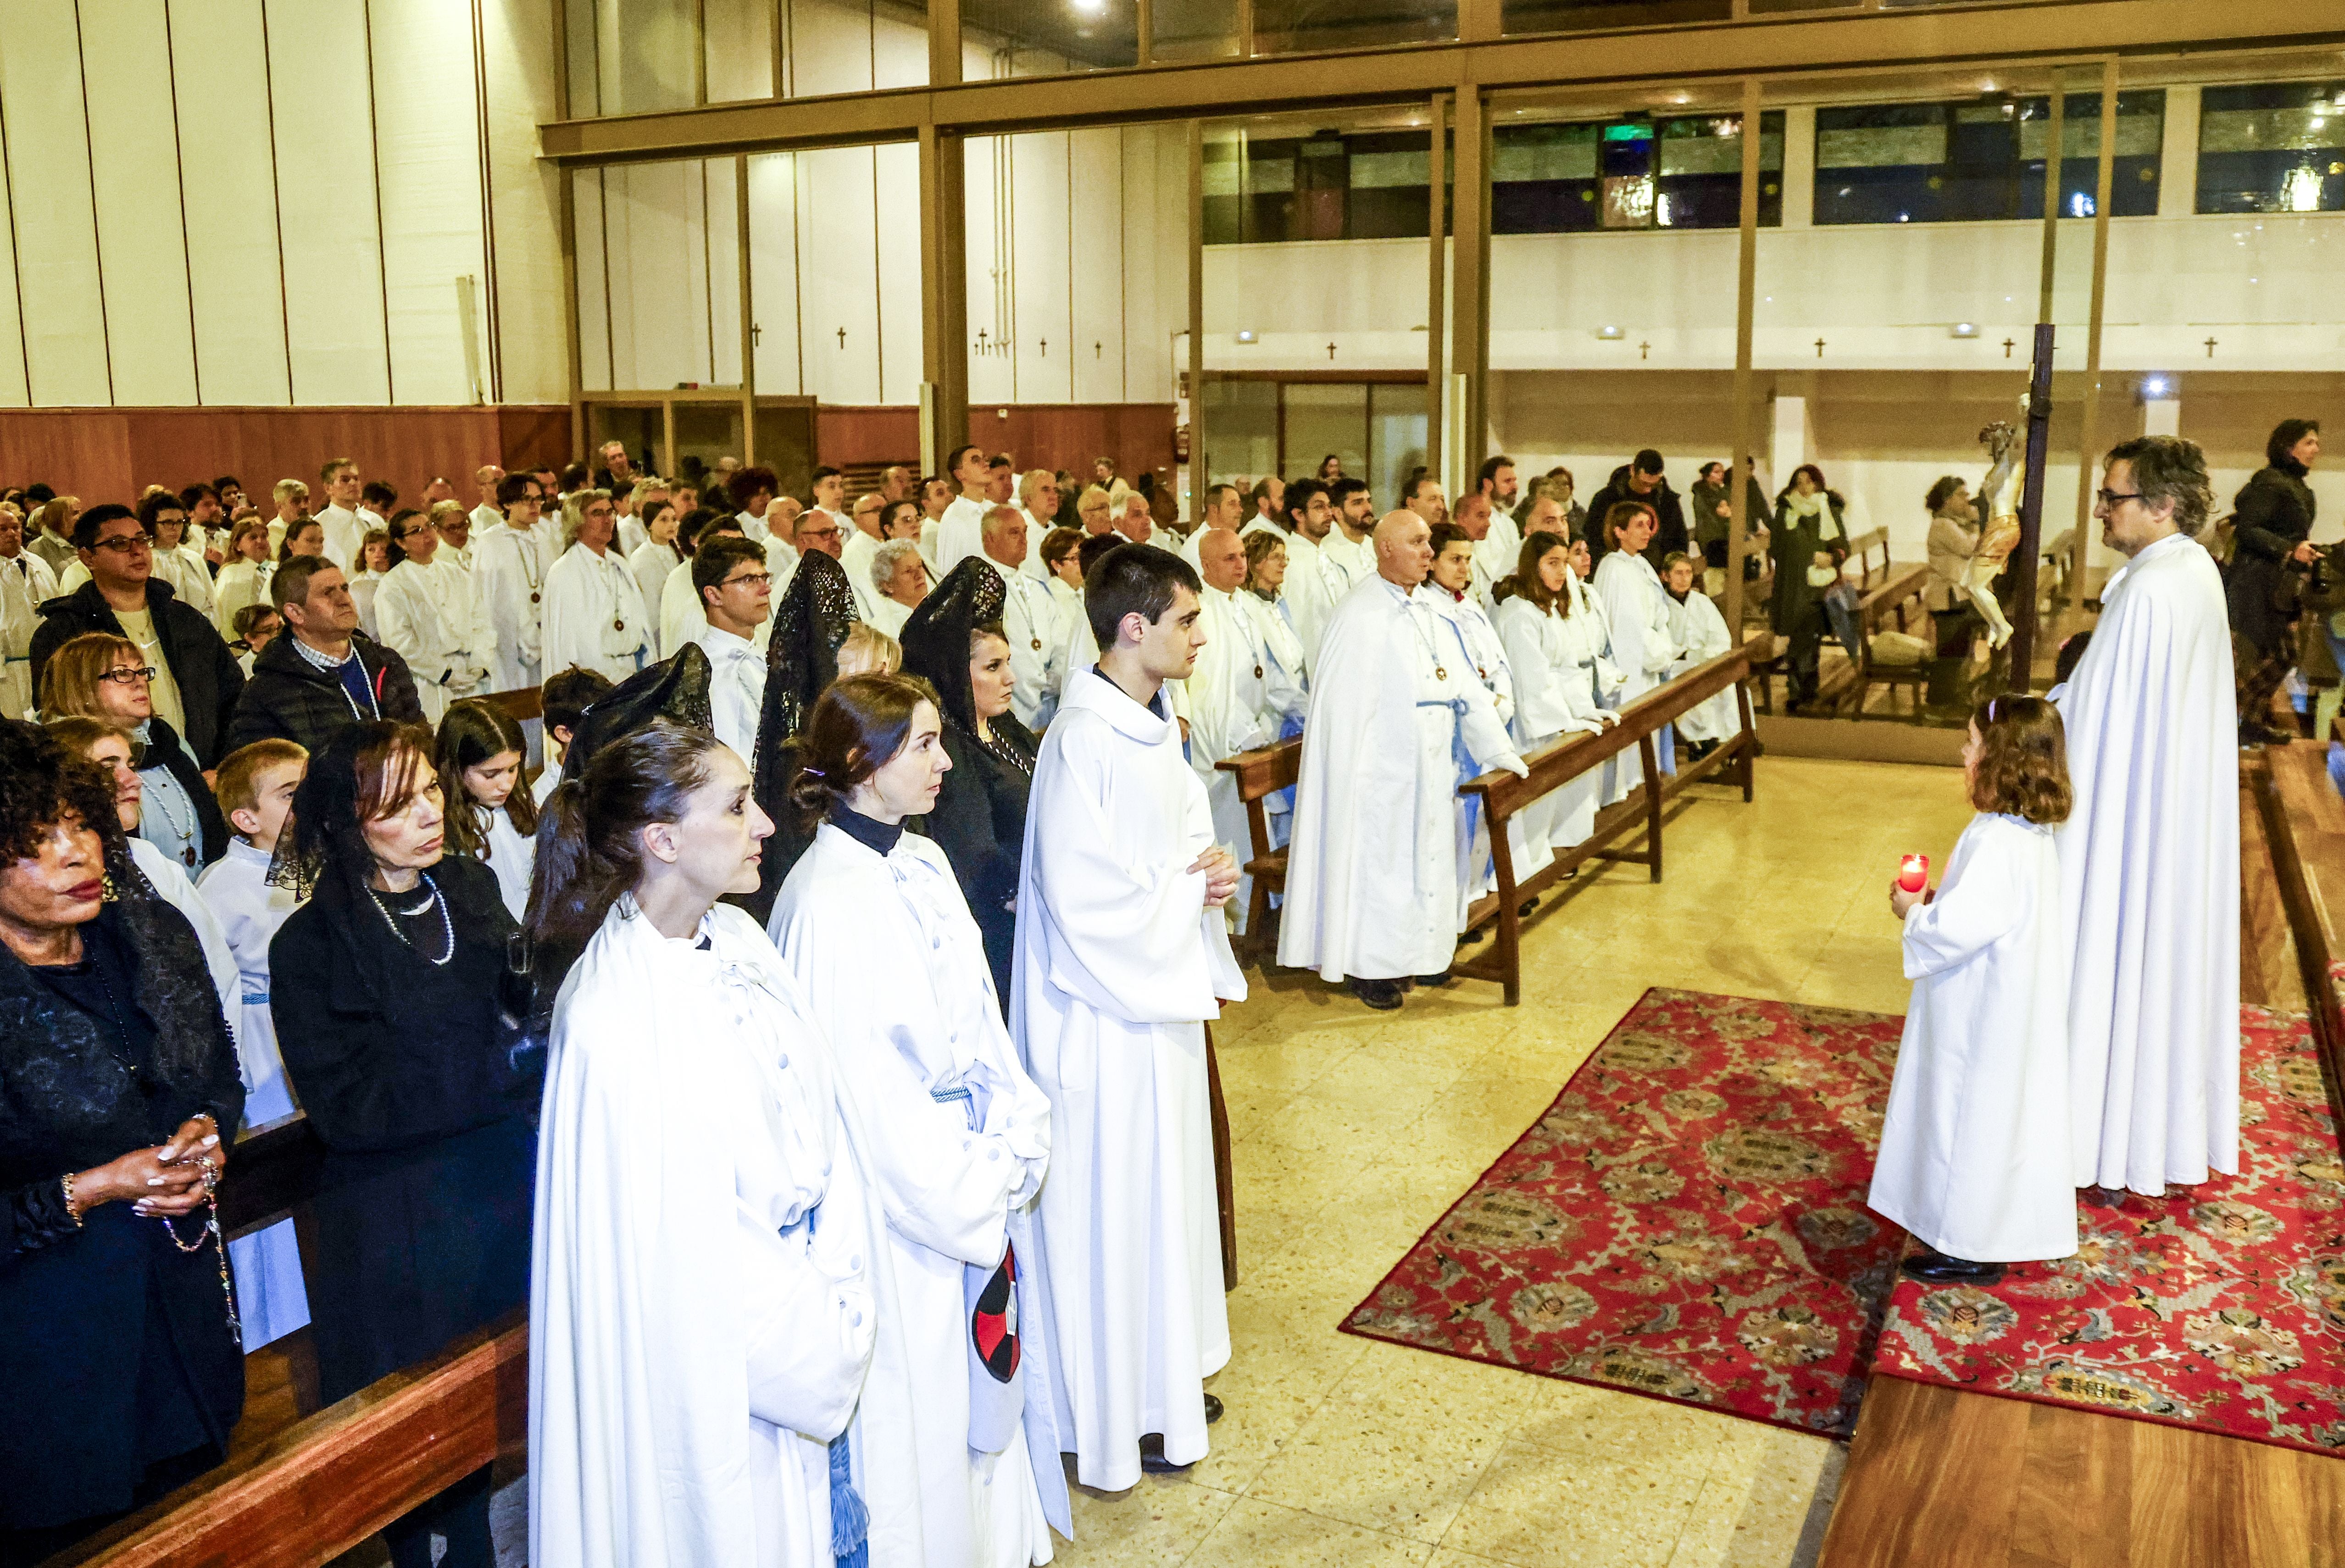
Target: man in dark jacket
{"x": 1640, "y": 479}
{"x": 124, "y": 598}
{"x": 2270, "y": 523}
{"x": 323, "y": 675}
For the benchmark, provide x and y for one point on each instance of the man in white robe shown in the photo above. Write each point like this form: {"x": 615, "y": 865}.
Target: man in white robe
{"x": 1348, "y": 552}
{"x": 1313, "y": 585}
{"x": 25, "y": 582}
{"x": 1037, "y": 504}
{"x": 426, "y": 610}
{"x": 1494, "y": 556}
{"x": 1229, "y": 695}
{"x": 860, "y": 542}
{"x": 2150, "y": 857}
{"x": 509, "y": 566}
{"x": 681, "y": 616}
{"x": 346, "y": 530}
{"x": 487, "y": 515}
{"x": 1122, "y": 955}
{"x": 962, "y": 530}
{"x": 1029, "y": 618}
{"x": 1398, "y": 720}
{"x": 737, "y": 596}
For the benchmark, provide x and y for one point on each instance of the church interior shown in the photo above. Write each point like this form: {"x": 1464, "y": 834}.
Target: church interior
{"x": 1564, "y": 1257}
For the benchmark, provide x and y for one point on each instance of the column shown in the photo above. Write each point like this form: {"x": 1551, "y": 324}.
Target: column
{"x": 944, "y": 299}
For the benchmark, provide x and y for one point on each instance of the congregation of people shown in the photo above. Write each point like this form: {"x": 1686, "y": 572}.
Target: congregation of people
{"x": 801, "y": 1004}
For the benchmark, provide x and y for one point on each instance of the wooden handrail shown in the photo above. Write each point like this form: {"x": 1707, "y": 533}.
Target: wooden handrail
{"x": 327, "y": 1484}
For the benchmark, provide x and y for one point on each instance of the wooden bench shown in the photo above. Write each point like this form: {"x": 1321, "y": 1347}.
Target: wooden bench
{"x": 1869, "y": 551}
{"x": 1504, "y": 796}
{"x": 521, "y": 705}
{"x": 1898, "y": 593}
{"x": 1261, "y": 774}
{"x": 2303, "y": 822}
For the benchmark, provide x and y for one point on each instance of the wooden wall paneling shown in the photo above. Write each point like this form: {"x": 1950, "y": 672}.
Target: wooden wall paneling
{"x": 1139, "y": 436}
{"x": 846, "y": 435}
{"x": 524, "y": 204}
{"x": 228, "y": 191}
{"x": 774, "y": 273}
{"x": 895, "y": 175}
{"x": 334, "y": 296}
{"x": 1039, "y": 267}
{"x": 135, "y": 183}
{"x": 838, "y": 283}
{"x": 530, "y": 437}
{"x": 426, "y": 161}
{"x": 75, "y": 451}
{"x": 48, "y": 176}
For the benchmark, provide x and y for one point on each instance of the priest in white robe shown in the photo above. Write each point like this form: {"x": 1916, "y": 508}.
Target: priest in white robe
{"x": 960, "y": 532}
{"x": 594, "y": 618}
{"x": 428, "y": 610}
{"x": 1122, "y": 957}
{"x": 1030, "y": 619}
{"x": 955, "y": 1139}
{"x": 2150, "y": 858}
{"x": 509, "y": 566}
{"x": 1229, "y": 695}
{"x": 1398, "y": 720}
{"x": 25, "y": 584}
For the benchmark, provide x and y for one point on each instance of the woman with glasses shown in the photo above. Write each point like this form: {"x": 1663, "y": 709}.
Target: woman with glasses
{"x": 98, "y": 675}
{"x": 428, "y": 612}
{"x": 388, "y": 991}
{"x": 594, "y": 614}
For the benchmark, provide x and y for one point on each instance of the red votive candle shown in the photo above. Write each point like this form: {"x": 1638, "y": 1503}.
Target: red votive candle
{"x": 1914, "y": 873}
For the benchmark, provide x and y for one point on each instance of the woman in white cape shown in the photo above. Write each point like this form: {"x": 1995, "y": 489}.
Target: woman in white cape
{"x": 1637, "y": 608}
{"x": 700, "y": 1315}
{"x": 1700, "y": 634}
{"x": 951, "y": 1131}
{"x": 1552, "y": 639}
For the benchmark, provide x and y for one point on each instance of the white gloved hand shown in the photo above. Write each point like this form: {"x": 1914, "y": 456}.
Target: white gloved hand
{"x": 1515, "y": 766}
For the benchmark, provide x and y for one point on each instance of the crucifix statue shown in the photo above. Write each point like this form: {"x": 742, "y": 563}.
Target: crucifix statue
{"x": 1644, "y": 350}
{"x": 1331, "y": 351}
{"x": 2211, "y": 347}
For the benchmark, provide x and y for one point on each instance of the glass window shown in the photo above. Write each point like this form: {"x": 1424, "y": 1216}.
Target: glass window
{"x": 2273, "y": 148}
{"x": 1571, "y": 15}
{"x": 1193, "y": 29}
{"x": 1632, "y": 173}
{"x": 1983, "y": 159}
{"x": 1287, "y": 26}
{"x": 1047, "y": 37}
{"x": 1367, "y": 185}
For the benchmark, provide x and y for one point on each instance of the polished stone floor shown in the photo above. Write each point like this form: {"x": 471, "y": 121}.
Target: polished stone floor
{"x": 1353, "y": 1132}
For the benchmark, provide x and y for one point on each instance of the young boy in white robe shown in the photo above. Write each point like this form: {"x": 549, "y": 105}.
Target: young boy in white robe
{"x": 255, "y": 788}
{"x": 1973, "y": 1158}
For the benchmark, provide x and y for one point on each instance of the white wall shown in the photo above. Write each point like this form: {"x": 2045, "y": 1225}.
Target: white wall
{"x": 273, "y": 202}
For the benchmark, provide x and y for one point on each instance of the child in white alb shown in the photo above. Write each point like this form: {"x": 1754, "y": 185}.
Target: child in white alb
{"x": 1973, "y": 1160}
{"x": 255, "y": 788}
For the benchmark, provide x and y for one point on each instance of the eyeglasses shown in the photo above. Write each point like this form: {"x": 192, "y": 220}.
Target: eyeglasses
{"x": 123, "y": 543}
{"x": 124, "y": 675}
{"x": 751, "y": 579}
{"x": 819, "y": 533}
{"x": 2112, "y": 499}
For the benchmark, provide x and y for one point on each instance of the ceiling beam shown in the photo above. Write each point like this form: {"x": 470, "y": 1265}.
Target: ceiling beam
{"x": 1780, "y": 45}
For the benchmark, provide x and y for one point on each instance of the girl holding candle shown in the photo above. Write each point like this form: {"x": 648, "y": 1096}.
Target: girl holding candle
{"x": 1974, "y": 1157}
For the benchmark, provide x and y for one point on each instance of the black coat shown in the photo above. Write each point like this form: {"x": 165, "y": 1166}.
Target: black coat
{"x": 1668, "y": 509}
{"x": 84, "y": 1312}
{"x": 164, "y": 750}
{"x": 424, "y": 1202}
{"x": 979, "y": 823}
{"x": 290, "y": 699}
{"x": 209, "y": 678}
{"x": 2272, "y": 515}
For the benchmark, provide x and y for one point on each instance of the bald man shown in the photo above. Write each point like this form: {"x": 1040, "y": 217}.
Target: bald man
{"x": 1380, "y": 852}
{"x": 1030, "y": 618}
{"x": 1230, "y": 710}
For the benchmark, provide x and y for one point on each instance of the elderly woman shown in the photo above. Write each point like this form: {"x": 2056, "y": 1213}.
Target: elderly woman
{"x": 389, "y": 992}
{"x": 1953, "y": 539}
{"x": 900, "y": 579}
{"x": 956, "y": 644}
{"x": 99, "y": 675}
{"x": 1095, "y": 509}
{"x": 594, "y": 615}
{"x": 118, "y": 1079}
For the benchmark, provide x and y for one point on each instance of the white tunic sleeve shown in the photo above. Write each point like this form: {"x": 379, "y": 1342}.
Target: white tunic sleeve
{"x": 1983, "y": 899}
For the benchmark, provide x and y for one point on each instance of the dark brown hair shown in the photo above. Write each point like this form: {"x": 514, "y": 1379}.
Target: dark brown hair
{"x": 1620, "y": 513}
{"x": 855, "y": 729}
{"x": 471, "y": 733}
{"x": 2022, "y": 766}
{"x": 2168, "y": 468}
{"x": 1526, "y": 574}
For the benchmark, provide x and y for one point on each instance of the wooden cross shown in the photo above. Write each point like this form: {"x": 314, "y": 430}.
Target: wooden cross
{"x": 2211, "y": 347}
{"x": 980, "y": 340}
{"x": 1644, "y": 350}
{"x": 757, "y": 334}
{"x": 1331, "y": 351}
{"x": 1095, "y": 351}
{"x": 842, "y": 339}
{"x": 1046, "y": 348}
{"x": 1820, "y": 347}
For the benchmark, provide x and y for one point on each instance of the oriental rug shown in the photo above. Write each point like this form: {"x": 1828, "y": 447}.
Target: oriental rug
{"x": 1686, "y": 1221}
{"x": 2221, "y": 1307}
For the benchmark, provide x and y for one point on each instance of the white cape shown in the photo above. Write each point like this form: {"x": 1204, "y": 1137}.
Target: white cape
{"x": 700, "y": 1319}
{"x": 2149, "y": 866}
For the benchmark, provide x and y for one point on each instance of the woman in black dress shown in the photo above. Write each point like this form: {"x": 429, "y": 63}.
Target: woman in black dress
{"x": 812, "y": 618}
{"x": 392, "y": 1005}
{"x": 118, "y": 1347}
{"x": 955, "y": 641}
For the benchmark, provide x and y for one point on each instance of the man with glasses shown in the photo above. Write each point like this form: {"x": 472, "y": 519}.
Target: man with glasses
{"x": 196, "y": 681}
{"x": 325, "y": 676}
{"x": 736, "y": 593}
{"x": 859, "y": 541}
{"x": 2149, "y": 856}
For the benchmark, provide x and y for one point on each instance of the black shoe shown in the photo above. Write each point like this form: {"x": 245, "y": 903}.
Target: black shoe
{"x": 1153, "y": 1460}
{"x": 1384, "y": 996}
{"x": 1936, "y": 1267}
{"x": 1444, "y": 978}
{"x": 1524, "y": 911}
{"x": 2254, "y": 733}
{"x": 1212, "y": 1410}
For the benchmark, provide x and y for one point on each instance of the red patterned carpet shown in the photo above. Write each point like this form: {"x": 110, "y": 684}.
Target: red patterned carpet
{"x": 1686, "y": 1221}
{"x": 2223, "y": 1308}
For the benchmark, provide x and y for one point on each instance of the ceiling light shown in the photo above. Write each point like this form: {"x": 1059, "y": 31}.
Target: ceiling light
{"x": 1609, "y": 334}
{"x": 1965, "y": 328}
{"x": 1246, "y": 336}
{"x": 2156, "y": 387}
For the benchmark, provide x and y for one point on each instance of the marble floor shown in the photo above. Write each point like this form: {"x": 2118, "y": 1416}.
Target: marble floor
{"x": 1354, "y": 1130}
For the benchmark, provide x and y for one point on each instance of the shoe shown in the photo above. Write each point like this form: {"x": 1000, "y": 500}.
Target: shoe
{"x": 1153, "y": 1460}
{"x": 2100, "y": 1197}
{"x": 1384, "y": 996}
{"x": 1524, "y": 910}
{"x": 1936, "y": 1267}
{"x": 1212, "y": 1410}
{"x": 1444, "y": 978}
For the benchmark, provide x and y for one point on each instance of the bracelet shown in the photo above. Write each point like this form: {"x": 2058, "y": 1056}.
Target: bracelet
{"x": 67, "y": 1181}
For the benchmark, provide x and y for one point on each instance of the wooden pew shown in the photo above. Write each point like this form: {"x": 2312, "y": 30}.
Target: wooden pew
{"x": 1504, "y": 796}
{"x": 2304, "y": 827}
{"x": 1899, "y": 592}
{"x": 1261, "y": 774}
{"x": 520, "y": 704}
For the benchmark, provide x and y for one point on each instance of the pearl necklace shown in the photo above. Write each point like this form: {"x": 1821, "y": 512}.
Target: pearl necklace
{"x": 447, "y": 928}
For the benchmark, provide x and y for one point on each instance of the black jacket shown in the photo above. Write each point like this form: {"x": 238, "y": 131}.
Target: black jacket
{"x": 164, "y": 750}
{"x": 2271, "y": 516}
{"x": 86, "y": 1311}
{"x": 290, "y": 699}
{"x": 1668, "y": 508}
{"x": 208, "y": 678}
